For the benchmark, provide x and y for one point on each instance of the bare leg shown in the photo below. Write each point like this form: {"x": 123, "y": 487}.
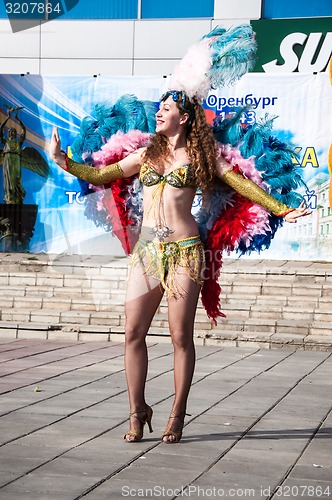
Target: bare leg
{"x": 142, "y": 300}
{"x": 181, "y": 316}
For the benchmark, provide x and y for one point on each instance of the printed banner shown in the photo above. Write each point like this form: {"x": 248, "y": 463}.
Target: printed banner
{"x": 53, "y": 213}
{"x": 41, "y": 207}
{"x": 302, "y": 108}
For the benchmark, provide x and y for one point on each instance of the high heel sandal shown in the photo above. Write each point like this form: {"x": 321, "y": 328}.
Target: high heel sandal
{"x": 138, "y": 434}
{"x": 169, "y": 432}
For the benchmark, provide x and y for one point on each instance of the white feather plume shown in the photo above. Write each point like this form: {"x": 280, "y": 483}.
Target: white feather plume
{"x": 220, "y": 58}
{"x": 190, "y": 74}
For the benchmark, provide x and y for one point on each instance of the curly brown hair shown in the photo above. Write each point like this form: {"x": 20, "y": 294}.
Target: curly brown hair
{"x": 201, "y": 144}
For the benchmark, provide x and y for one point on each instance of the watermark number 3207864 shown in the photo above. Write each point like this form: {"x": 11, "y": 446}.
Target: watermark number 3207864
{"x": 33, "y": 8}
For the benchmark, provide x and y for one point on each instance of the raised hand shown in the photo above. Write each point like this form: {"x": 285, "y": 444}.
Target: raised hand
{"x": 301, "y": 211}
{"x": 55, "y": 152}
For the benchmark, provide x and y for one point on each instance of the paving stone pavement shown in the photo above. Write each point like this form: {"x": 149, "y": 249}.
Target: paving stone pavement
{"x": 260, "y": 424}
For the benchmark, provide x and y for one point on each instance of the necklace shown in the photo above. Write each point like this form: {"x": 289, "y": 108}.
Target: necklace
{"x": 161, "y": 231}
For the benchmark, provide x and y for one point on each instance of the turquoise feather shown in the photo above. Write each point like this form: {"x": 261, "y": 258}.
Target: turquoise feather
{"x": 233, "y": 53}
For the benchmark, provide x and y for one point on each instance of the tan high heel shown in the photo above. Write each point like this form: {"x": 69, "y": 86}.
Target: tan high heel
{"x": 138, "y": 434}
{"x": 169, "y": 432}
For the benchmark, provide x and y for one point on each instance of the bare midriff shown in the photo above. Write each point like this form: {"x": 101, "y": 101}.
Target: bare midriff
{"x": 173, "y": 210}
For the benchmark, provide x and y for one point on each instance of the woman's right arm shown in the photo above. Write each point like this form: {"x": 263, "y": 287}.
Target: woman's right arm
{"x": 95, "y": 176}
{"x": 250, "y": 190}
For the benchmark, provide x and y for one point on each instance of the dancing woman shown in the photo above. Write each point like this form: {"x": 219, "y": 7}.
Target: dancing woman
{"x": 181, "y": 156}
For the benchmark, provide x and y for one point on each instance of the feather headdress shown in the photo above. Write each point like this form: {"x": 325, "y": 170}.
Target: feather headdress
{"x": 220, "y": 58}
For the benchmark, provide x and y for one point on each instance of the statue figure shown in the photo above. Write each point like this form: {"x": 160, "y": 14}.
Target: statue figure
{"x": 13, "y": 157}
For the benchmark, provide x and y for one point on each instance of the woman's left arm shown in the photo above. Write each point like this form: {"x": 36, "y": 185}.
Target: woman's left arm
{"x": 256, "y": 194}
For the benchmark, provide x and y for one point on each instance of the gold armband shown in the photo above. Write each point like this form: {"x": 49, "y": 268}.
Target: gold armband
{"x": 95, "y": 176}
{"x": 254, "y": 193}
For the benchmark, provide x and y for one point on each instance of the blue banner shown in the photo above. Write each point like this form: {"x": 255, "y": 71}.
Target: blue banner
{"x": 52, "y": 213}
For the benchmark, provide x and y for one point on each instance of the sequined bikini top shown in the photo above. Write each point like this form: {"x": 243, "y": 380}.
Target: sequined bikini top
{"x": 179, "y": 177}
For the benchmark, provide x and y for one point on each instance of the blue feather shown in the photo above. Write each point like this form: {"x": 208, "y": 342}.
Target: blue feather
{"x": 275, "y": 161}
{"x": 261, "y": 242}
{"x": 233, "y": 54}
{"x": 128, "y": 113}
{"x": 273, "y": 157}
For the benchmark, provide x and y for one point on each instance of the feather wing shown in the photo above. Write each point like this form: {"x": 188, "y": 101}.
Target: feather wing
{"x": 116, "y": 131}
{"x": 33, "y": 160}
{"x": 233, "y": 223}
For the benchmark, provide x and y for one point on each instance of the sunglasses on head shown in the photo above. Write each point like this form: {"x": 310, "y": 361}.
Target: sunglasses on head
{"x": 176, "y": 96}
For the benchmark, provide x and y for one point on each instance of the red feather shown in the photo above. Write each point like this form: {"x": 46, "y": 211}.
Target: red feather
{"x": 223, "y": 236}
{"x": 114, "y": 201}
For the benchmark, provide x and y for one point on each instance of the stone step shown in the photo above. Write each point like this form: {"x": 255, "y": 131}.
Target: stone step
{"x": 66, "y": 280}
{"x": 232, "y": 271}
{"x": 318, "y": 324}
{"x": 19, "y": 264}
{"x": 240, "y": 268}
{"x": 269, "y": 303}
{"x": 321, "y": 340}
{"x": 109, "y": 274}
{"x": 71, "y": 286}
{"x": 57, "y": 307}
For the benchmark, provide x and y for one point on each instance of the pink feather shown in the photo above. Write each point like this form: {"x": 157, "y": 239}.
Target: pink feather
{"x": 119, "y": 146}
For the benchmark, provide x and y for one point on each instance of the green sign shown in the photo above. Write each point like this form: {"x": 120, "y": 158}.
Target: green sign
{"x": 293, "y": 45}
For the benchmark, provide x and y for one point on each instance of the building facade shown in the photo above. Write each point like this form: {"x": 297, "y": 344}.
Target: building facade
{"x": 124, "y": 37}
